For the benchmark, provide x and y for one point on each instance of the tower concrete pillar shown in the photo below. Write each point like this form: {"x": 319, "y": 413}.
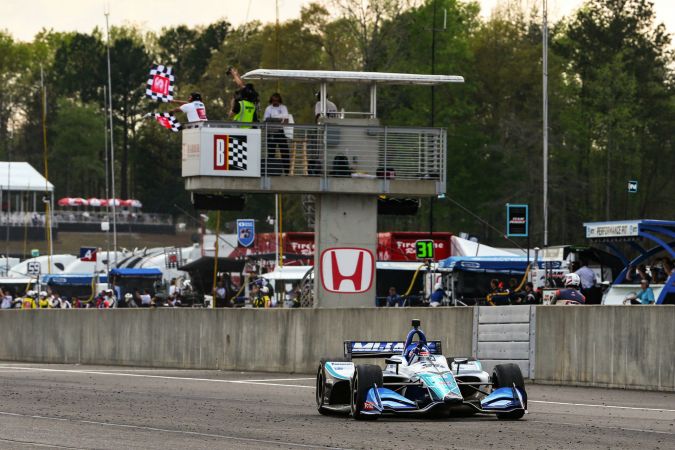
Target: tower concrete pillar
{"x": 345, "y": 238}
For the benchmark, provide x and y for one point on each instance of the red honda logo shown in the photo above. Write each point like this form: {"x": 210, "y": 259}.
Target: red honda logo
{"x": 347, "y": 270}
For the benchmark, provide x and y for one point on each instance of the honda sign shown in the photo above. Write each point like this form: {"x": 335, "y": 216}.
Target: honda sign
{"x": 347, "y": 270}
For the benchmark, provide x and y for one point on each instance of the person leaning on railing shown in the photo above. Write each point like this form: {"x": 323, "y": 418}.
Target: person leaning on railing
{"x": 243, "y": 107}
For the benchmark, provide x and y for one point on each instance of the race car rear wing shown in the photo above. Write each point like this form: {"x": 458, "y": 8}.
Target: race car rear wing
{"x": 383, "y": 349}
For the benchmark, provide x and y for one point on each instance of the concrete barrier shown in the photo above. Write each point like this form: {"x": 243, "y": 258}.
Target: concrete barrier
{"x": 238, "y": 339}
{"x": 612, "y": 346}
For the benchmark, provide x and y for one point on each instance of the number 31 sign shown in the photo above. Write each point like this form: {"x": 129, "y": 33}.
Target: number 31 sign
{"x": 424, "y": 249}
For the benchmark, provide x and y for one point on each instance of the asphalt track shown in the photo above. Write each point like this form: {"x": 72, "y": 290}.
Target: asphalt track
{"x": 59, "y": 406}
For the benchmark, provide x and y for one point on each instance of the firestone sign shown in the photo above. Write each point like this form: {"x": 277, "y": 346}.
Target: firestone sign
{"x": 347, "y": 270}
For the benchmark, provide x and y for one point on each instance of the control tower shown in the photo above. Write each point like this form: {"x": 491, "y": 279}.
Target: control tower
{"x": 346, "y": 160}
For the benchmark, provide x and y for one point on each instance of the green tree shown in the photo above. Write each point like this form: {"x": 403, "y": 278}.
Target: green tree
{"x": 76, "y": 169}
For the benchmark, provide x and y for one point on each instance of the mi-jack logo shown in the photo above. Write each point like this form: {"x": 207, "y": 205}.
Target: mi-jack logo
{"x": 347, "y": 270}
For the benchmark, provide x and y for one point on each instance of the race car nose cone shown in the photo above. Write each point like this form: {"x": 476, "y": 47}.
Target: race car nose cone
{"x": 451, "y": 398}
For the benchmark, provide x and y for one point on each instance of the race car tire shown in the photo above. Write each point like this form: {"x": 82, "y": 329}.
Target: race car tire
{"x": 508, "y": 375}
{"x": 365, "y": 376}
{"x": 321, "y": 383}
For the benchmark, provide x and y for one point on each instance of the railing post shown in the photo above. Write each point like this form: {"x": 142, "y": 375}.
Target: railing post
{"x": 324, "y": 180}
{"x": 385, "y": 172}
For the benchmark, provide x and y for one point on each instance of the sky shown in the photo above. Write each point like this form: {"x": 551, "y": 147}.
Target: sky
{"x": 24, "y": 18}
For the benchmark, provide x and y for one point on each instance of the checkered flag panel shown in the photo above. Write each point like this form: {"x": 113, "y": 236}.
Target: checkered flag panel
{"x": 161, "y": 83}
{"x": 237, "y": 153}
{"x": 167, "y": 120}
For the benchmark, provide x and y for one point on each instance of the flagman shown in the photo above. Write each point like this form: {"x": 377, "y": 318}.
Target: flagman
{"x": 193, "y": 108}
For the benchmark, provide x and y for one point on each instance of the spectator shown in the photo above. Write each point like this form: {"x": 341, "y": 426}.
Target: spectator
{"x": 393, "y": 299}
{"x": 65, "y": 304}
{"x": 531, "y": 296}
{"x": 644, "y": 297}
{"x": 498, "y": 296}
{"x": 129, "y": 300}
{"x": 437, "y": 296}
{"x": 638, "y": 275}
{"x": 331, "y": 109}
{"x": 7, "y": 301}
{"x": 276, "y": 111}
{"x": 668, "y": 266}
{"x": 515, "y": 296}
{"x": 29, "y": 300}
{"x": 243, "y": 107}
{"x": 587, "y": 277}
{"x": 146, "y": 299}
{"x": 220, "y": 295}
{"x": 256, "y": 297}
{"x": 43, "y": 301}
{"x": 55, "y": 300}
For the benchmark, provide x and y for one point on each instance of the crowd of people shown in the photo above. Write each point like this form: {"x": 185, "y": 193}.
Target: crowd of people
{"x": 105, "y": 299}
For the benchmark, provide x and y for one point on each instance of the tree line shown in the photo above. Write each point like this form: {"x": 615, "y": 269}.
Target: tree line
{"x": 611, "y": 104}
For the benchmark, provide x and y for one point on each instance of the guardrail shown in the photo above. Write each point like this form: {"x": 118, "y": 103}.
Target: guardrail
{"x": 348, "y": 150}
{"x": 30, "y": 219}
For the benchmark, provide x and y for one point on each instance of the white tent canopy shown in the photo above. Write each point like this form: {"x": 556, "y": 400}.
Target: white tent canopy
{"x": 21, "y": 176}
{"x": 330, "y": 76}
{"x": 464, "y": 247}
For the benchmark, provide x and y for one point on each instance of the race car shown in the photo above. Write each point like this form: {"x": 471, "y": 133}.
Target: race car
{"x": 417, "y": 378}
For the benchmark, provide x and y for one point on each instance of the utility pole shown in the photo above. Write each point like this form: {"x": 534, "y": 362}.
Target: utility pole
{"x": 545, "y": 115}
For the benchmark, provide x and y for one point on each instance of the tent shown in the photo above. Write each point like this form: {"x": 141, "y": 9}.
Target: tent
{"x": 21, "y": 176}
{"x": 464, "y": 247}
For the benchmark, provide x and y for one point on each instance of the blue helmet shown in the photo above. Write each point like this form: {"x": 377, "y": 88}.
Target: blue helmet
{"x": 417, "y": 353}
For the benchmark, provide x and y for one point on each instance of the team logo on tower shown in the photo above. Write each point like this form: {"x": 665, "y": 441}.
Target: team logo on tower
{"x": 230, "y": 152}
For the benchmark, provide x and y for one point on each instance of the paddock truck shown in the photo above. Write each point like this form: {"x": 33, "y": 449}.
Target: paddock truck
{"x": 416, "y": 379}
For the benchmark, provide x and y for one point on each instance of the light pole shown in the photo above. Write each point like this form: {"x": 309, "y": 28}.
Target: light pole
{"x": 112, "y": 145}
{"x": 545, "y": 116}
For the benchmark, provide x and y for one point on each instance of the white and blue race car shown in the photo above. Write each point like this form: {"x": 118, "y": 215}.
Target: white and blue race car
{"x": 417, "y": 378}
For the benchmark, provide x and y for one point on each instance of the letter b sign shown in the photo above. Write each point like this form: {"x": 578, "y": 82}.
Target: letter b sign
{"x": 220, "y": 143}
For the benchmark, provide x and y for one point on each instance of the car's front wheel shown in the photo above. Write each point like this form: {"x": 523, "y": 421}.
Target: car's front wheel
{"x": 365, "y": 377}
{"x": 509, "y": 375}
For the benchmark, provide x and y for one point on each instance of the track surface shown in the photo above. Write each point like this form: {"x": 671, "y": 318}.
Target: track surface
{"x": 61, "y": 406}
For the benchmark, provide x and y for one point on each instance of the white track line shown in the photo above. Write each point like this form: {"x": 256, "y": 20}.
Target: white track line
{"x": 633, "y": 408}
{"x": 165, "y": 377}
{"x": 167, "y": 430}
{"x": 269, "y": 382}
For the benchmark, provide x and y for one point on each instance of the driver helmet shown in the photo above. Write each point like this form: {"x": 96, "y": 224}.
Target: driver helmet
{"x": 419, "y": 354}
{"x": 572, "y": 280}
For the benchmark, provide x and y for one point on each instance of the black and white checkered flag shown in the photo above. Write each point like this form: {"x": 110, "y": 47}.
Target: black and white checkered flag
{"x": 167, "y": 120}
{"x": 237, "y": 154}
{"x": 160, "y": 84}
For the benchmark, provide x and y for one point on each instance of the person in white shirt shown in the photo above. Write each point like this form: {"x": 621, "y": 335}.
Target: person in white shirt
{"x": 276, "y": 109}
{"x": 588, "y": 281}
{"x": 277, "y": 112}
{"x": 194, "y": 109}
{"x": 331, "y": 109}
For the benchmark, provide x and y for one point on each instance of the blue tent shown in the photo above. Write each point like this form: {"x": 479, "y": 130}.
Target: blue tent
{"x": 72, "y": 279}
{"x": 149, "y": 273}
{"x": 496, "y": 264}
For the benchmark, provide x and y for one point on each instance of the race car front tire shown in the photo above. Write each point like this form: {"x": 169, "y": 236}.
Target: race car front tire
{"x": 508, "y": 375}
{"x": 321, "y": 383}
{"x": 365, "y": 377}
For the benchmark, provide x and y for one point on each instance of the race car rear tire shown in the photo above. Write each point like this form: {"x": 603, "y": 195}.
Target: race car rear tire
{"x": 365, "y": 376}
{"x": 508, "y": 375}
{"x": 321, "y": 383}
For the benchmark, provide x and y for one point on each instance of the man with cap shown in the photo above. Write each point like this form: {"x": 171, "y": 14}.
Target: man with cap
{"x": 194, "y": 109}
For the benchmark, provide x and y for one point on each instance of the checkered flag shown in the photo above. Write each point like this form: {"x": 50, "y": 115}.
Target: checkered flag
{"x": 237, "y": 153}
{"x": 160, "y": 84}
{"x": 167, "y": 120}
